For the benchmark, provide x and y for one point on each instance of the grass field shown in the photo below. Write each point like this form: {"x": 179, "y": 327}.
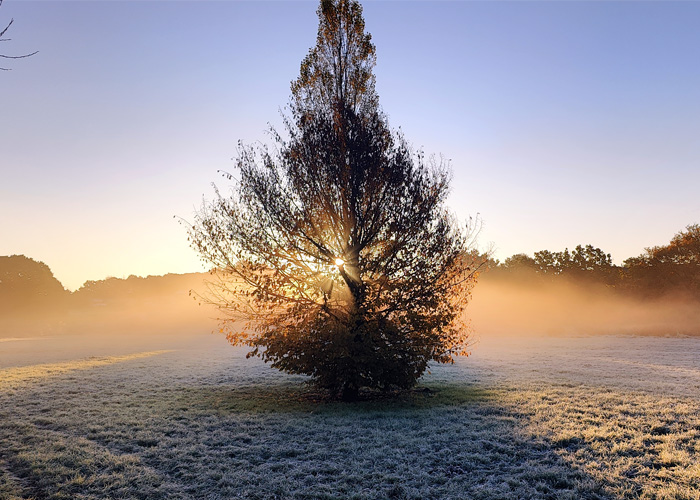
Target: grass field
{"x": 596, "y": 417}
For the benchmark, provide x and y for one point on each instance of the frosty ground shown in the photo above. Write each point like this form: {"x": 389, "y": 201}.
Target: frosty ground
{"x": 189, "y": 417}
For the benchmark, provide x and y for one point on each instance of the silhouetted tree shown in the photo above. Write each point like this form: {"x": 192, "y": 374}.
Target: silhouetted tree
{"x": 589, "y": 259}
{"x": 673, "y": 267}
{"x": 548, "y": 262}
{"x": 2, "y": 34}
{"x": 592, "y": 264}
{"x": 32, "y": 300}
{"x": 519, "y": 261}
{"x": 336, "y": 246}
{"x": 26, "y": 284}
{"x": 583, "y": 262}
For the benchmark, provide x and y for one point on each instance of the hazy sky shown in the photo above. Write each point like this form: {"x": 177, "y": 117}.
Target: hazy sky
{"x": 566, "y": 122}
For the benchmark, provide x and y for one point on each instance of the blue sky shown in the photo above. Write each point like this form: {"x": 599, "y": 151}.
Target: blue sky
{"x": 565, "y": 122}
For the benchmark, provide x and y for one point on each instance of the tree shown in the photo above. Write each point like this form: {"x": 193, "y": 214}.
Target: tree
{"x": 684, "y": 248}
{"x": 27, "y": 284}
{"x": 592, "y": 264}
{"x": 31, "y": 298}
{"x": 2, "y": 34}
{"x": 335, "y": 247}
{"x": 520, "y": 261}
{"x": 583, "y": 262}
{"x": 673, "y": 267}
{"x": 547, "y": 262}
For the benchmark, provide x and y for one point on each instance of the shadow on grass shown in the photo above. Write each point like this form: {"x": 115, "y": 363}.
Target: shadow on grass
{"x": 440, "y": 440}
{"x": 304, "y": 398}
{"x": 279, "y": 440}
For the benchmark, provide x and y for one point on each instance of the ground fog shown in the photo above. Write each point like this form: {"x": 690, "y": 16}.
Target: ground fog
{"x": 189, "y": 417}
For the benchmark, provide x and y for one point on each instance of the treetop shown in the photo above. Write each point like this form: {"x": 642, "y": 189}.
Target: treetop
{"x": 338, "y": 69}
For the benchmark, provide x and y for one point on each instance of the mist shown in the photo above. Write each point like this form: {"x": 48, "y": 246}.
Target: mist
{"x": 120, "y": 316}
{"x": 109, "y": 317}
{"x": 511, "y": 307}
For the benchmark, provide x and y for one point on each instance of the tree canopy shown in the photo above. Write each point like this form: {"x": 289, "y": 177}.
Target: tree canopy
{"x": 336, "y": 246}
{"x": 586, "y": 262}
{"x": 665, "y": 269}
{"x": 669, "y": 268}
{"x": 26, "y": 283}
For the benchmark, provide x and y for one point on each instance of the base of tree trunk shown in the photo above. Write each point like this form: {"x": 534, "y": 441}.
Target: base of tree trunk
{"x": 350, "y": 393}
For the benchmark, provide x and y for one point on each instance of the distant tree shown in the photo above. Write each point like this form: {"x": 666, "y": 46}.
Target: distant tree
{"x": 592, "y": 264}
{"x": 551, "y": 263}
{"x": 2, "y": 34}
{"x": 684, "y": 248}
{"x": 26, "y": 283}
{"x": 520, "y": 266}
{"x": 589, "y": 259}
{"x": 519, "y": 261}
{"x": 336, "y": 247}
{"x": 673, "y": 267}
{"x": 583, "y": 262}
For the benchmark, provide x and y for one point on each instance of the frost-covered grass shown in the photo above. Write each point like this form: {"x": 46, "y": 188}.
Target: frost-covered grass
{"x": 603, "y": 417}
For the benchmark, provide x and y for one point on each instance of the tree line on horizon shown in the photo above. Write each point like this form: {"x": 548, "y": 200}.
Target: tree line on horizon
{"x": 660, "y": 270}
{"x": 33, "y": 301}
{"x": 671, "y": 268}
{"x": 26, "y": 282}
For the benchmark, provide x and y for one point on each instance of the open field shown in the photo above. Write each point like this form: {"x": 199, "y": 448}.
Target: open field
{"x": 536, "y": 417}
